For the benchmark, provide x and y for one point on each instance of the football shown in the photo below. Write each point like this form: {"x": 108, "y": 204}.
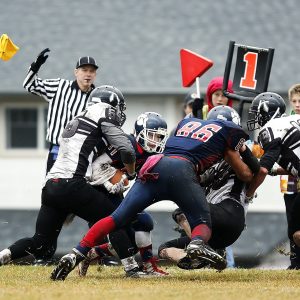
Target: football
{"x": 117, "y": 178}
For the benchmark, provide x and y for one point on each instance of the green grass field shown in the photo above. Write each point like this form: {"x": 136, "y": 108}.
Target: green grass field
{"x": 28, "y": 282}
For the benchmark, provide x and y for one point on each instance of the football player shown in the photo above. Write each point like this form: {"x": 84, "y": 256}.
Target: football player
{"x": 149, "y": 137}
{"x": 279, "y": 136}
{"x": 196, "y": 146}
{"x": 226, "y": 195}
{"x": 66, "y": 190}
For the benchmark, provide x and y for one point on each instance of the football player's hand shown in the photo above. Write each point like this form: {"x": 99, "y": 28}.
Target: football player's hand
{"x": 117, "y": 188}
{"x": 40, "y": 60}
{"x": 197, "y": 108}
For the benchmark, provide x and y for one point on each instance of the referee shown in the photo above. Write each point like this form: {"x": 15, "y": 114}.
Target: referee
{"x": 66, "y": 98}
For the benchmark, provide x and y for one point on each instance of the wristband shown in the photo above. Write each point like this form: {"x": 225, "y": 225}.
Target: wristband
{"x": 131, "y": 176}
{"x": 250, "y": 160}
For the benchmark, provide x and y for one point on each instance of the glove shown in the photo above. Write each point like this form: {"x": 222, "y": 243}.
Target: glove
{"x": 40, "y": 60}
{"x": 117, "y": 188}
{"x": 197, "y": 108}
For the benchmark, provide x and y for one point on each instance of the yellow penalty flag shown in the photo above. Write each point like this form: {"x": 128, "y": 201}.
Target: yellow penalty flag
{"x": 7, "y": 48}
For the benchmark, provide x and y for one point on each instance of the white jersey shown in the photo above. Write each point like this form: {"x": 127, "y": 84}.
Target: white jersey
{"x": 221, "y": 183}
{"x": 280, "y": 139}
{"x": 88, "y": 133}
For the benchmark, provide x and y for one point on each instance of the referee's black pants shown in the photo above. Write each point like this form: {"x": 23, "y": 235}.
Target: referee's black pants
{"x": 61, "y": 197}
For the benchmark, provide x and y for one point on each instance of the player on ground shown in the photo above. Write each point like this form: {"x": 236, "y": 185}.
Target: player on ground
{"x": 228, "y": 204}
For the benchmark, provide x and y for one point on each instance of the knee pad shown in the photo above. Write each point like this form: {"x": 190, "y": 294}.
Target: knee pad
{"x": 143, "y": 222}
{"x": 143, "y": 239}
{"x": 176, "y": 213}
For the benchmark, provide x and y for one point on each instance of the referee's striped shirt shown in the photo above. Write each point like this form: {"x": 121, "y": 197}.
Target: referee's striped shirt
{"x": 65, "y": 99}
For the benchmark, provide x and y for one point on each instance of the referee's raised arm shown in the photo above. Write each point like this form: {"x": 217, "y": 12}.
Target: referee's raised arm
{"x": 66, "y": 98}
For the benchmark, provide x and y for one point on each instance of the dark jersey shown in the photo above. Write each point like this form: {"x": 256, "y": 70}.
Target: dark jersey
{"x": 204, "y": 142}
{"x": 280, "y": 139}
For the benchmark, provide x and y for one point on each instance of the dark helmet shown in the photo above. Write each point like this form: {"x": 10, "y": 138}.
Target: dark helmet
{"x": 223, "y": 112}
{"x": 189, "y": 99}
{"x": 112, "y": 96}
{"x": 264, "y": 107}
{"x": 150, "y": 131}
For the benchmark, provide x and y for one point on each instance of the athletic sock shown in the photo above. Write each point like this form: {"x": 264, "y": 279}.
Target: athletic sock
{"x": 202, "y": 232}
{"x": 97, "y": 232}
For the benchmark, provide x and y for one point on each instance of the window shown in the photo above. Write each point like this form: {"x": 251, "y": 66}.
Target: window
{"x": 21, "y": 127}
{"x": 26, "y": 128}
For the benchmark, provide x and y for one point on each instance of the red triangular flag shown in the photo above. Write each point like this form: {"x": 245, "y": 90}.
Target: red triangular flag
{"x": 192, "y": 66}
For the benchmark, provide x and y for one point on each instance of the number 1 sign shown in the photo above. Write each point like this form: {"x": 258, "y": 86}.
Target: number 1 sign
{"x": 251, "y": 73}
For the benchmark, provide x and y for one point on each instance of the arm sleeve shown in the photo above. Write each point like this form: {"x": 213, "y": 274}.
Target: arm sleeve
{"x": 236, "y": 136}
{"x": 45, "y": 88}
{"x": 271, "y": 154}
{"x": 271, "y": 146}
{"x": 250, "y": 160}
{"x": 118, "y": 139}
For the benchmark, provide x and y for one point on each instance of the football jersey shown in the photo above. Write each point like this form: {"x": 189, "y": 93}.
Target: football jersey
{"x": 88, "y": 132}
{"x": 221, "y": 183}
{"x": 204, "y": 142}
{"x": 280, "y": 139}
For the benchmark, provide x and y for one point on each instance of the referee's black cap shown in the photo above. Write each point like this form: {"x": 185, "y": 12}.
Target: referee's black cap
{"x": 189, "y": 99}
{"x": 86, "y": 60}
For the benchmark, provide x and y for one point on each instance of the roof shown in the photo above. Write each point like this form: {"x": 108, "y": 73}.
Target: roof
{"x": 137, "y": 43}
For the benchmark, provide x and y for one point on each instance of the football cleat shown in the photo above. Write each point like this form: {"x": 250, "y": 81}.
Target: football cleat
{"x": 198, "y": 250}
{"x": 5, "y": 257}
{"x": 150, "y": 267}
{"x": 187, "y": 263}
{"x": 66, "y": 264}
{"x": 136, "y": 273}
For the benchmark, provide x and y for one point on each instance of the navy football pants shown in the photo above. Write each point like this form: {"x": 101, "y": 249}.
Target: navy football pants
{"x": 177, "y": 182}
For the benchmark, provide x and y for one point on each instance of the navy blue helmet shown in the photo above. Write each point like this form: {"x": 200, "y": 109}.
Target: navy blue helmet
{"x": 150, "y": 131}
{"x": 226, "y": 113}
{"x": 264, "y": 107}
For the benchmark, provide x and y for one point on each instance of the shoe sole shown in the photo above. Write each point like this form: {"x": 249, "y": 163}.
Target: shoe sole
{"x": 186, "y": 263}
{"x": 62, "y": 270}
{"x": 214, "y": 260}
{"x": 138, "y": 276}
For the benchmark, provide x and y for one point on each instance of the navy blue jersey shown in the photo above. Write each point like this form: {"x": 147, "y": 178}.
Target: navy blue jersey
{"x": 204, "y": 142}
